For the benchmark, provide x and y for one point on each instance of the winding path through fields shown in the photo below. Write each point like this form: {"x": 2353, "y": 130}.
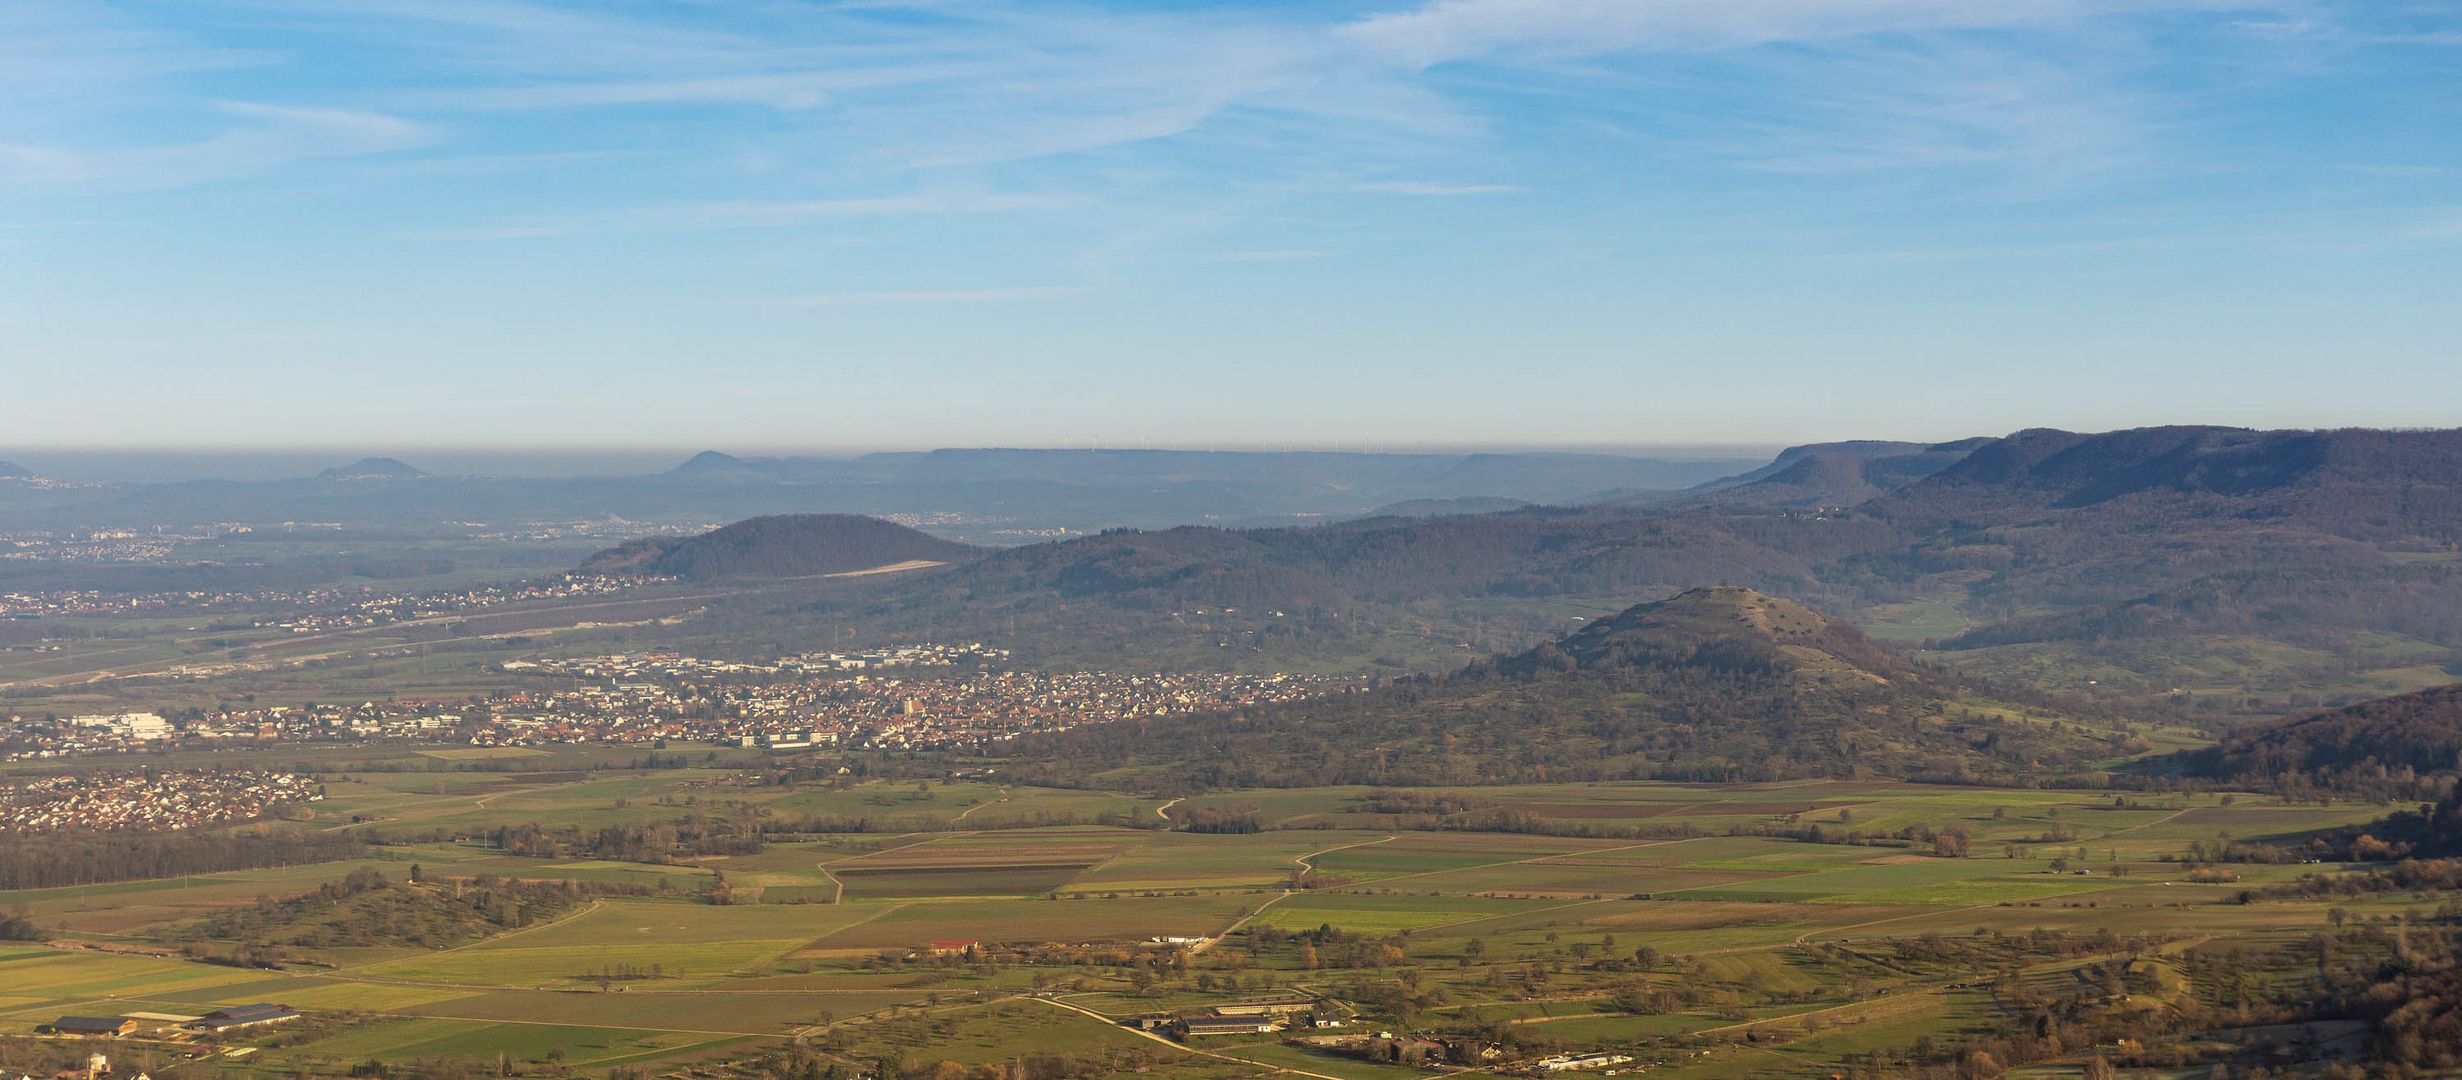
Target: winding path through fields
{"x": 1306, "y": 866}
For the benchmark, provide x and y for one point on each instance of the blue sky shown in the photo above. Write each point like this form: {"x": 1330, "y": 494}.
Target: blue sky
{"x": 770, "y": 224}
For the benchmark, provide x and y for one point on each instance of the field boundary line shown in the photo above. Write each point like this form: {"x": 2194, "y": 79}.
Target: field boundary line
{"x": 593, "y": 905}
{"x": 929, "y": 838}
{"x": 1519, "y": 914}
{"x": 1306, "y": 868}
{"x": 1517, "y": 862}
{"x": 1305, "y": 861}
{"x": 866, "y": 920}
{"x": 570, "y": 1024}
{"x": 653, "y": 1054}
{"x": 511, "y": 1020}
{"x": 975, "y": 999}
{"x": 2164, "y": 820}
{"x": 1893, "y": 1001}
{"x": 1184, "y": 1047}
{"x": 1002, "y": 796}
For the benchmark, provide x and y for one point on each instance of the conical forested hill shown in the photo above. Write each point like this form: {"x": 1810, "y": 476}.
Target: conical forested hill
{"x": 1716, "y": 683}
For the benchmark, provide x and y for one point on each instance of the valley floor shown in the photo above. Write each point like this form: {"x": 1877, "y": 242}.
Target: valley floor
{"x": 1643, "y": 920}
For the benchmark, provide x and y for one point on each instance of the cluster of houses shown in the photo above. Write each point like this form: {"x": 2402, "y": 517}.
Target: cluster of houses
{"x": 94, "y": 546}
{"x": 865, "y": 710}
{"x": 1296, "y": 1014}
{"x": 347, "y": 611}
{"x": 148, "y": 800}
{"x": 667, "y": 665}
{"x": 326, "y": 607}
{"x": 825, "y": 699}
{"x": 94, "y": 733}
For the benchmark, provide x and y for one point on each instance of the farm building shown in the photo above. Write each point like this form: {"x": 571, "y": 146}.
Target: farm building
{"x": 1190, "y": 1025}
{"x": 1267, "y": 1008}
{"x": 244, "y": 1016}
{"x": 1571, "y": 1062}
{"x": 109, "y": 1027}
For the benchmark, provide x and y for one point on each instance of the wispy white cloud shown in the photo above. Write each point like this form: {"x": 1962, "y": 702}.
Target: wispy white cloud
{"x": 775, "y": 214}
{"x": 261, "y": 138}
{"x": 2041, "y": 123}
{"x": 2442, "y": 38}
{"x": 925, "y": 87}
{"x": 1008, "y": 295}
{"x": 1428, "y": 189}
{"x": 522, "y": 36}
{"x": 784, "y": 90}
{"x": 65, "y": 54}
{"x": 1451, "y": 30}
{"x": 811, "y": 211}
{"x": 857, "y": 96}
{"x": 499, "y": 164}
{"x": 1284, "y": 256}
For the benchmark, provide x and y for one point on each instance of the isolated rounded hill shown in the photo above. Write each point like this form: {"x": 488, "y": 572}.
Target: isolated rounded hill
{"x": 781, "y": 546}
{"x": 373, "y": 468}
{"x": 1726, "y": 629}
{"x": 1711, "y": 684}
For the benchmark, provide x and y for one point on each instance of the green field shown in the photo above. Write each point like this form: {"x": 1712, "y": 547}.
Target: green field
{"x": 830, "y": 939}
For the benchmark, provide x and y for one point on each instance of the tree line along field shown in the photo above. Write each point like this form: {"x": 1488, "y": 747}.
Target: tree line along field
{"x": 1644, "y": 918}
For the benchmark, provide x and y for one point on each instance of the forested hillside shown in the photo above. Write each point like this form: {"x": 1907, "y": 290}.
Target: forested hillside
{"x": 1718, "y": 684}
{"x": 2281, "y": 569}
{"x": 2408, "y": 746}
{"x": 1828, "y": 474}
{"x": 790, "y": 545}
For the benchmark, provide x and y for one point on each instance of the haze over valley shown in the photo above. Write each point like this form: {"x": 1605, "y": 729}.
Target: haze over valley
{"x": 1371, "y": 540}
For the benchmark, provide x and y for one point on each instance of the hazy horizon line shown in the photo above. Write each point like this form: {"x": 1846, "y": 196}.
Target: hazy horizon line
{"x": 362, "y": 450}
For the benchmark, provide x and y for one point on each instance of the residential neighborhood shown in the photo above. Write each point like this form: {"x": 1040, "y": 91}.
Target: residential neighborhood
{"x": 915, "y": 696}
{"x": 147, "y": 800}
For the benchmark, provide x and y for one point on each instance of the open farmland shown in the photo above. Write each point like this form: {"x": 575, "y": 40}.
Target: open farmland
{"x": 1657, "y": 920}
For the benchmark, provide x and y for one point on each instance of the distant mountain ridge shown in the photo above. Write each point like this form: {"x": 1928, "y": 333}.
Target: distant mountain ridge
{"x": 2051, "y": 469}
{"x": 2039, "y": 555}
{"x": 372, "y": 468}
{"x": 987, "y": 495}
{"x": 1814, "y": 475}
{"x": 1986, "y": 526}
{"x": 13, "y": 471}
{"x": 709, "y": 462}
{"x": 2041, "y": 548}
{"x": 1536, "y": 476}
{"x": 781, "y": 546}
